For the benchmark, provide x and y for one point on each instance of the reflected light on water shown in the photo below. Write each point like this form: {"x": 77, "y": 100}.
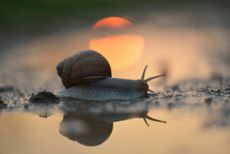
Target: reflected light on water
{"x": 28, "y": 133}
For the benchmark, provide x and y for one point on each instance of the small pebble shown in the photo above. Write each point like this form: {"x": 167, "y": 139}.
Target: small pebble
{"x": 44, "y": 97}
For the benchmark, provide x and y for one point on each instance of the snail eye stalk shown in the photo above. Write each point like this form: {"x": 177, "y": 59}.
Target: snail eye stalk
{"x": 146, "y": 122}
{"x": 152, "y": 119}
{"x": 153, "y": 77}
{"x": 150, "y": 78}
{"x": 143, "y": 74}
{"x": 151, "y": 91}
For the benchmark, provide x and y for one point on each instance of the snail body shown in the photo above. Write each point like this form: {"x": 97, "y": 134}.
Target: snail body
{"x": 108, "y": 89}
{"x": 89, "y": 78}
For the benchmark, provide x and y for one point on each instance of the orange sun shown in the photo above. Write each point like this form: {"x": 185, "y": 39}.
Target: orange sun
{"x": 122, "y": 49}
{"x": 113, "y": 23}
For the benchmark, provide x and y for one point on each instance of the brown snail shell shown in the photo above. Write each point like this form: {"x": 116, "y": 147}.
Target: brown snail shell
{"x": 84, "y": 65}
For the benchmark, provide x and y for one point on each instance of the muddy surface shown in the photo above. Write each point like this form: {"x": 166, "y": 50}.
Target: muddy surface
{"x": 212, "y": 95}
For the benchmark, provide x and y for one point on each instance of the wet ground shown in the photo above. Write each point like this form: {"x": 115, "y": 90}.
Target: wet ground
{"x": 212, "y": 95}
{"x": 197, "y": 115}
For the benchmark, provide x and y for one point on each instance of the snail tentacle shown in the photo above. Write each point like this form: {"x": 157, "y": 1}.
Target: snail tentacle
{"x": 151, "y": 91}
{"x": 154, "y": 77}
{"x": 153, "y": 119}
{"x": 146, "y": 122}
{"x": 143, "y": 74}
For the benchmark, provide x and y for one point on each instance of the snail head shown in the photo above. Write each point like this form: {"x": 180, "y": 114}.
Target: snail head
{"x": 150, "y": 78}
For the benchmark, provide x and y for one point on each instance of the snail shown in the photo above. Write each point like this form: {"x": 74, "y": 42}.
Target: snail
{"x": 88, "y": 76}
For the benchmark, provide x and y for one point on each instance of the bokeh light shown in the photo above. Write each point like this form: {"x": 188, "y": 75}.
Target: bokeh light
{"x": 120, "y": 45}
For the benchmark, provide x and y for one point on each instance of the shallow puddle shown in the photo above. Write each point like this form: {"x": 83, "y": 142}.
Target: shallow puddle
{"x": 184, "y": 132}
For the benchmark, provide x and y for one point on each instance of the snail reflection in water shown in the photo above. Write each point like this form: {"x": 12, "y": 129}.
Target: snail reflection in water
{"x": 82, "y": 124}
{"x": 91, "y": 122}
{"x": 87, "y": 76}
